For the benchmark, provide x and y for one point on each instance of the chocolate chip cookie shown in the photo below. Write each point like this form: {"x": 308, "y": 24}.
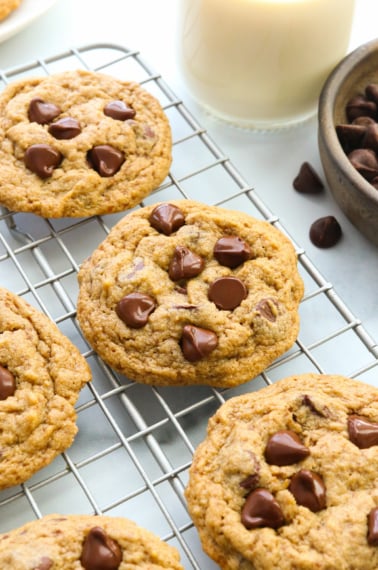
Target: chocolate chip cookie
{"x": 287, "y": 477}
{"x": 80, "y": 143}
{"x": 70, "y": 542}
{"x": 41, "y": 374}
{"x": 186, "y": 293}
{"x": 8, "y": 6}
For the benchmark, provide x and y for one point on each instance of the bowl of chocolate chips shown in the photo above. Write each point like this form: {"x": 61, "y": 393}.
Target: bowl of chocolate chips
{"x": 348, "y": 137}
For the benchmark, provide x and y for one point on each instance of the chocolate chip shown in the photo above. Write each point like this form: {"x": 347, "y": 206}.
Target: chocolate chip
{"x": 231, "y": 251}
{"x": 350, "y": 136}
{"x": 370, "y": 138}
{"x": 197, "y": 343}
{"x": 362, "y": 432}
{"x": 105, "y": 159}
{"x": 250, "y": 482}
{"x": 65, "y": 128}
{"x": 7, "y": 383}
{"x": 185, "y": 264}
{"x": 45, "y": 563}
{"x": 363, "y": 121}
{"x": 100, "y": 552}
{"x": 285, "y": 448}
{"x": 308, "y": 490}
{"x": 315, "y": 408}
{"x": 119, "y": 111}
{"x": 42, "y": 159}
{"x": 372, "y": 536}
{"x": 41, "y": 112}
{"x": 360, "y": 105}
{"x": 267, "y": 309}
{"x": 364, "y": 160}
{"x": 227, "y": 292}
{"x": 325, "y": 232}
{"x": 371, "y": 92}
{"x": 307, "y": 180}
{"x": 261, "y": 509}
{"x": 166, "y": 218}
{"x": 134, "y": 309}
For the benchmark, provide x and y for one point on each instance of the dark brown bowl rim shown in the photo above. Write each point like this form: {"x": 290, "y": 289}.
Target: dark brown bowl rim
{"x": 326, "y": 124}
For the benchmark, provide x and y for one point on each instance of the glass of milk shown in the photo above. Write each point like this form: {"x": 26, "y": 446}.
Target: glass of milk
{"x": 261, "y": 63}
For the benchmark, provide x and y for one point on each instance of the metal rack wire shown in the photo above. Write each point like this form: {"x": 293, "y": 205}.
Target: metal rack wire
{"x": 135, "y": 442}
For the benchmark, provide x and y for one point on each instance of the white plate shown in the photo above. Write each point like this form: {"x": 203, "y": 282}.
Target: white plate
{"x": 22, "y": 16}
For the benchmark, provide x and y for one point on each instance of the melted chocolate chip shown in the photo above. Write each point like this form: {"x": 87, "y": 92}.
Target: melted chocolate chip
{"x": 308, "y": 490}
{"x": 65, "y": 128}
{"x": 7, "y": 383}
{"x": 307, "y": 180}
{"x": 285, "y": 448}
{"x": 42, "y": 159}
{"x": 322, "y": 411}
{"x": 134, "y": 309}
{"x": 119, "y": 111}
{"x": 166, "y": 218}
{"x": 197, "y": 343}
{"x": 362, "y": 432}
{"x": 325, "y": 232}
{"x": 372, "y": 536}
{"x": 41, "y": 112}
{"x": 227, "y": 292}
{"x": 105, "y": 159}
{"x": 100, "y": 552}
{"x": 261, "y": 509}
{"x": 185, "y": 264}
{"x": 45, "y": 563}
{"x": 267, "y": 309}
{"x": 231, "y": 251}
{"x": 250, "y": 482}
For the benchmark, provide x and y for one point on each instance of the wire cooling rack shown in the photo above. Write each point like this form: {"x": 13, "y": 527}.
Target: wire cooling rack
{"x": 135, "y": 443}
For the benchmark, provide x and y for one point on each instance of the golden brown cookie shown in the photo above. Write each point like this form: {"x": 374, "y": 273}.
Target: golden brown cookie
{"x": 7, "y": 6}
{"x": 186, "y": 293}
{"x": 41, "y": 374}
{"x": 80, "y": 143}
{"x": 287, "y": 477}
{"x": 70, "y": 542}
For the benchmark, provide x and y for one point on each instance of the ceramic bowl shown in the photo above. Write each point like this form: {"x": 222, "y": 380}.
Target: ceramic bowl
{"x": 355, "y": 195}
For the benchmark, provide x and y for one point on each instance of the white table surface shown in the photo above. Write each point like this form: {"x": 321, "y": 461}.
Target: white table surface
{"x": 268, "y": 162}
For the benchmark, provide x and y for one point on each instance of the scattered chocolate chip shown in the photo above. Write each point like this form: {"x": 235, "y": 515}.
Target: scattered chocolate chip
{"x": 166, "y": 218}
{"x": 100, "y": 552}
{"x": 185, "y": 264}
{"x": 365, "y": 161}
{"x": 325, "y": 232}
{"x": 119, "y": 111}
{"x": 65, "y": 128}
{"x": 267, "y": 309}
{"x": 105, "y": 159}
{"x": 45, "y": 563}
{"x": 41, "y": 112}
{"x": 307, "y": 180}
{"x": 261, "y": 509}
{"x": 197, "y": 343}
{"x": 227, "y": 292}
{"x": 231, "y": 251}
{"x": 42, "y": 159}
{"x": 134, "y": 309}
{"x": 362, "y": 432}
{"x": 360, "y": 105}
{"x": 372, "y": 536}
{"x": 7, "y": 383}
{"x": 285, "y": 448}
{"x": 308, "y": 490}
